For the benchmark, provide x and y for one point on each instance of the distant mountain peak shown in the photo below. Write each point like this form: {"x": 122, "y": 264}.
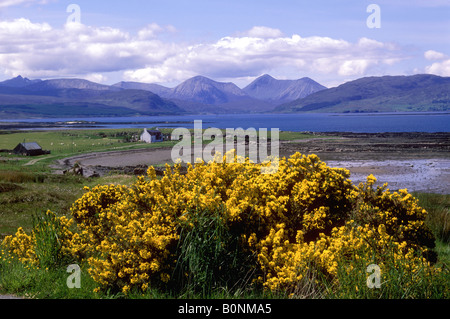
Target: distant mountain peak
{"x": 204, "y": 90}
{"x": 18, "y": 82}
{"x": 200, "y": 78}
{"x": 276, "y": 91}
{"x": 266, "y": 77}
{"x": 205, "y": 80}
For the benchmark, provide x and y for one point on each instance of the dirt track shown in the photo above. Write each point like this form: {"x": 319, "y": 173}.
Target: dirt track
{"x": 119, "y": 159}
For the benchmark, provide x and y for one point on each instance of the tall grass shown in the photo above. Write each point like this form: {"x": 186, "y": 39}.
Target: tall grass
{"x": 20, "y": 177}
{"x": 48, "y": 246}
{"x": 397, "y": 280}
{"x": 210, "y": 257}
{"x": 438, "y": 219}
{"x": 42, "y": 283}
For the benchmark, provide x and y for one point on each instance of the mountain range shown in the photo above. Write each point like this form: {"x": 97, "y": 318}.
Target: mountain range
{"x": 420, "y": 92}
{"x": 76, "y": 97}
{"x": 203, "y": 95}
{"x": 277, "y": 92}
{"x": 21, "y": 97}
{"x": 202, "y": 90}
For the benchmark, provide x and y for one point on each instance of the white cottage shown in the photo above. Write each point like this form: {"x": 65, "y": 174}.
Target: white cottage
{"x": 152, "y": 136}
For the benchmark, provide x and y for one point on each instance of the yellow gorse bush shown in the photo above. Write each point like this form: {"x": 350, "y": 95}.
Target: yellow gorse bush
{"x": 20, "y": 246}
{"x": 303, "y": 216}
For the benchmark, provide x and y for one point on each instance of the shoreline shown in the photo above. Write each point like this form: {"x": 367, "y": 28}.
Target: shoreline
{"x": 417, "y": 175}
{"x": 430, "y": 121}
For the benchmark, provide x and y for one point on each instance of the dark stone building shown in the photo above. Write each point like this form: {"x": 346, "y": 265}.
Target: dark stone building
{"x": 29, "y": 149}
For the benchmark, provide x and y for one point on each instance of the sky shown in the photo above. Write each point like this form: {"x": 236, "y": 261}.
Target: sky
{"x": 170, "y": 41}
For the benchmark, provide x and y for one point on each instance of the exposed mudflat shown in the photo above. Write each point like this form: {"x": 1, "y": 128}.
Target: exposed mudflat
{"x": 416, "y": 161}
{"x": 420, "y": 175}
{"x": 373, "y": 146}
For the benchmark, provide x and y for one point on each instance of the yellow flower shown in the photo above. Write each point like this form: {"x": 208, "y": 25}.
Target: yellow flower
{"x": 371, "y": 180}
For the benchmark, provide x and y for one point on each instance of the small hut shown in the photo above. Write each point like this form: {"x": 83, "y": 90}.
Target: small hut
{"x": 151, "y": 136}
{"x": 29, "y": 149}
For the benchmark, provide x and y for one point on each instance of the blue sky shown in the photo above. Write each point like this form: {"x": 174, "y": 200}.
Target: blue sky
{"x": 169, "y": 41}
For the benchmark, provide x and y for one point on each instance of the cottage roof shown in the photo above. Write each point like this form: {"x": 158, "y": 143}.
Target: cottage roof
{"x": 31, "y": 146}
{"x": 152, "y": 132}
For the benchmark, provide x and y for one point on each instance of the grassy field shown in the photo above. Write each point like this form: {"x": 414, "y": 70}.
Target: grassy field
{"x": 73, "y": 142}
{"x": 438, "y": 219}
{"x": 65, "y": 143}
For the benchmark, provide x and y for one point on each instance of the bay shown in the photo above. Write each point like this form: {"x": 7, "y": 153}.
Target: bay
{"x": 312, "y": 122}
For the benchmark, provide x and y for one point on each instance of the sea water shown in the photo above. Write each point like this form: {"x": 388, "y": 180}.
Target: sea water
{"x": 313, "y": 122}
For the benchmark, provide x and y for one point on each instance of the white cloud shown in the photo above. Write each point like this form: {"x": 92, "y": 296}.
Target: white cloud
{"x": 434, "y": 55}
{"x": 439, "y": 68}
{"x": 38, "y": 50}
{"x": 153, "y": 30}
{"x": 10, "y": 3}
{"x": 353, "y": 67}
{"x": 149, "y": 31}
{"x": 243, "y": 56}
{"x": 262, "y": 32}
{"x": 20, "y": 28}
{"x": 96, "y": 77}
